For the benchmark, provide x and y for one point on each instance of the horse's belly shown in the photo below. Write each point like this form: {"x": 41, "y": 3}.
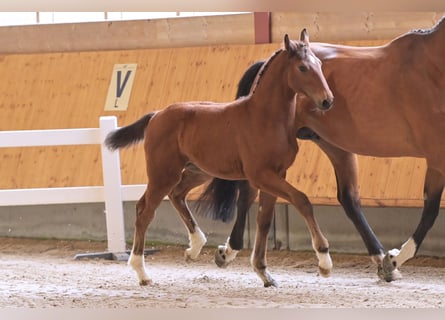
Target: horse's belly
{"x": 384, "y": 147}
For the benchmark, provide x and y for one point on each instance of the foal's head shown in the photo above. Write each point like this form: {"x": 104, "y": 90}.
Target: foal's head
{"x": 305, "y": 75}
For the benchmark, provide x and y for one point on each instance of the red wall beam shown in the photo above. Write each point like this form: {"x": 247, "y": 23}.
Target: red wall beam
{"x": 262, "y": 27}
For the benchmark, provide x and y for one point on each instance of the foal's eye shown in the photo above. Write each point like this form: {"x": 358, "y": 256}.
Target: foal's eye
{"x": 302, "y": 68}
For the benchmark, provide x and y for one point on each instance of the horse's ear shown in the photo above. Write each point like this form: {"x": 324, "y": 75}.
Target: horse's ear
{"x": 289, "y": 45}
{"x": 304, "y": 36}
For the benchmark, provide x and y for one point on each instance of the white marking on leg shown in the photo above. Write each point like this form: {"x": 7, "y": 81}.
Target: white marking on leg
{"x": 324, "y": 263}
{"x": 137, "y": 262}
{"x": 407, "y": 251}
{"x": 196, "y": 241}
{"x": 229, "y": 252}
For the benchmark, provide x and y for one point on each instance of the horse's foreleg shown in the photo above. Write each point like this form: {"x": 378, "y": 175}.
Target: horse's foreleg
{"x": 226, "y": 253}
{"x": 346, "y": 173}
{"x": 434, "y": 185}
{"x": 264, "y": 220}
{"x": 189, "y": 180}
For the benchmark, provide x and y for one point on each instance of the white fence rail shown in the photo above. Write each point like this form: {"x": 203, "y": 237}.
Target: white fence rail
{"x": 112, "y": 192}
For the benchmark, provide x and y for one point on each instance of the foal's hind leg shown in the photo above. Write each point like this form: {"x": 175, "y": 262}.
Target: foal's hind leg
{"x": 145, "y": 211}
{"x": 225, "y": 254}
{"x": 264, "y": 220}
{"x": 434, "y": 185}
{"x": 160, "y": 185}
{"x": 190, "y": 178}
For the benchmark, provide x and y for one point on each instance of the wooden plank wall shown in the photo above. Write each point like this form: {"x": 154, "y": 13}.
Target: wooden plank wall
{"x": 209, "y": 30}
{"x": 68, "y": 90}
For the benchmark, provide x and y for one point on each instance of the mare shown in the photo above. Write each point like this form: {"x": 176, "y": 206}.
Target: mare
{"x": 390, "y": 102}
{"x": 252, "y": 138}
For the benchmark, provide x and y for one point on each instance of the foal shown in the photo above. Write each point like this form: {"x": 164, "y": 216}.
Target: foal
{"x": 252, "y": 138}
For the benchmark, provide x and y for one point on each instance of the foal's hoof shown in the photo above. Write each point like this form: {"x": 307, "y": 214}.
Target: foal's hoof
{"x": 188, "y": 257}
{"x": 325, "y": 273}
{"x": 145, "y": 282}
{"x": 388, "y": 270}
{"x": 270, "y": 283}
{"x": 221, "y": 257}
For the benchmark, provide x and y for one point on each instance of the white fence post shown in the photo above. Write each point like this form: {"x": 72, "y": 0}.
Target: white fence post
{"x": 112, "y": 190}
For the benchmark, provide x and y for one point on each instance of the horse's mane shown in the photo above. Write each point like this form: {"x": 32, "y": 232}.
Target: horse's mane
{"x": 430, "y": 30}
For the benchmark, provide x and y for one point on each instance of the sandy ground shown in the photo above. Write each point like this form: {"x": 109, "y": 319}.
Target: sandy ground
{"x": 43, "y": 274}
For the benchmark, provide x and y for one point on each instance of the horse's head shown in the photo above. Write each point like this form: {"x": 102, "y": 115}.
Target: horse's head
{"x": 305, "y": 75}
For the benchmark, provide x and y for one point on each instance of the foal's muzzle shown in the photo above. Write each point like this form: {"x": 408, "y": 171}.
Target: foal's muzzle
{"x": 327, "y": 103}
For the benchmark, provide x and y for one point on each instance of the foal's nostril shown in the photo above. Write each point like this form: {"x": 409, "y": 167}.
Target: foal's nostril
{"x": 326, "y": 104}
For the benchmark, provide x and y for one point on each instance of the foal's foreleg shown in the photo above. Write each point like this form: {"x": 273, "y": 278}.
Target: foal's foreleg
{"x": 274, "y": 184}
{"x": 434, "y": 185}
{"x": 189, "y": 180}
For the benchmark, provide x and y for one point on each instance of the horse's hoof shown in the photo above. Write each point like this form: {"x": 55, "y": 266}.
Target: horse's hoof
{"x": 220, "y": 257}
{"x": 388, "y": 270}
{"x": 325, "y": 273}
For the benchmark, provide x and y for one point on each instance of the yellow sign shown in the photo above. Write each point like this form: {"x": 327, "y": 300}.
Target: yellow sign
{"x": 119, "y": 90}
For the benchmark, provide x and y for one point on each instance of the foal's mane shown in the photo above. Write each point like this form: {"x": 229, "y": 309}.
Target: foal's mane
{"x": 430, "y": 30}
{"x": 301, "y": 52}
{"x": 263, "y": 70}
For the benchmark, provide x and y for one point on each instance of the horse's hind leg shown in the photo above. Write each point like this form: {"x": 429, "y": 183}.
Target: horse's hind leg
{"x": 191, "y": 178}
{"x": 433, "y": 188}
{"x": 226, "y": 253}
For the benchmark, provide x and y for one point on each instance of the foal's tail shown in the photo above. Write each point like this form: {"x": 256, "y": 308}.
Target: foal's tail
{"x": 128, "y": 135}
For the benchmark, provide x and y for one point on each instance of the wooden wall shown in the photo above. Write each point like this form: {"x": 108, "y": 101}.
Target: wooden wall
{"x": 210, "y": 30}
{"x": 68, "y": 90}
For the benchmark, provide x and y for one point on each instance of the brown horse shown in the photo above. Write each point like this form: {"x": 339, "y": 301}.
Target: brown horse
{"x": 390, "y": 102}
{"x": 251, "y": 138}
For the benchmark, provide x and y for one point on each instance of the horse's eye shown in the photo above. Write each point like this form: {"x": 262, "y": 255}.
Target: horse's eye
{"x": 302, "y": 68}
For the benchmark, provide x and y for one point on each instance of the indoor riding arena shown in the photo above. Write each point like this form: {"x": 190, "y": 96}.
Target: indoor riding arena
{"x": 367, "y": 169}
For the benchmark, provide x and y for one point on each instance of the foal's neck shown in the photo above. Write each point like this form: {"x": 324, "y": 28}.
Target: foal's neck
{"x": 272, "y": 93}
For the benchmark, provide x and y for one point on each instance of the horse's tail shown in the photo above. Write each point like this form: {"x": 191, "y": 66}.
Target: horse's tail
{"x": 218, "y": 200}
{"x": 128, "y": 135}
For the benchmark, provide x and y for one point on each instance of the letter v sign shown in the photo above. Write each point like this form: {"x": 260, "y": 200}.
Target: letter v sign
{"x": 119, "y": 90}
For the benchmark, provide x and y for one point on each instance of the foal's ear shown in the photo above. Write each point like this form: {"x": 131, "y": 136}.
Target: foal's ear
{"x": 304, "y": 36}
{"x": 289, "y": 45}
